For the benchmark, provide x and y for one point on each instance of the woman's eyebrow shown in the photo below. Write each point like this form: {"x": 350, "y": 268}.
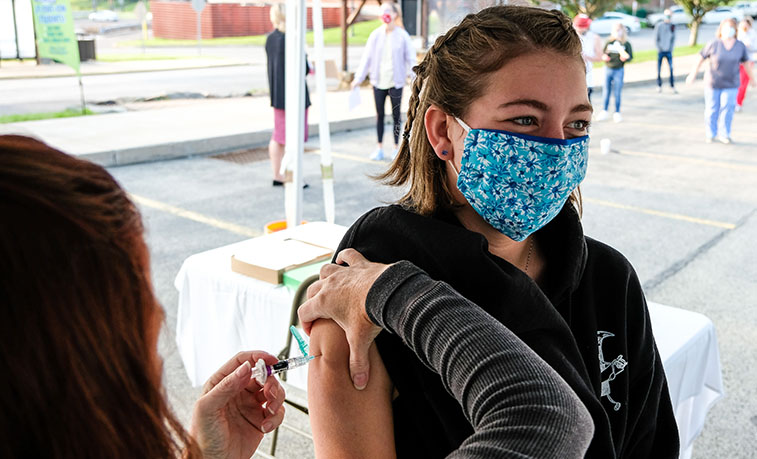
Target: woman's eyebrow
{"x": 530, "y": 102}
{"x": 582, "y": 108}
{"x": 544, "y": 107}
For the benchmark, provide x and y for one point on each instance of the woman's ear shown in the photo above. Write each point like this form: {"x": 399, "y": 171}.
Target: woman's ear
{"x": 435, "y": 121}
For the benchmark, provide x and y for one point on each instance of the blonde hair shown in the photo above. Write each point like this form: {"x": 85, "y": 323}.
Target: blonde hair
{"x": 617, "y": 28}
{"x": 278, "y": 16}
{"x": 454, "y": 73}
{"x": 732, "y": 22}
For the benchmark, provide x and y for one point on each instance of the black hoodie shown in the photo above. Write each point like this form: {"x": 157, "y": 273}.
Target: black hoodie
{"x": 590, "y": 323}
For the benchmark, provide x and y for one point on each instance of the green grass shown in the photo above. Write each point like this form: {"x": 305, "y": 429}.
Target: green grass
{"x": 331, "y": 36}
{"x": 651, "y": 54}
{"x": 43, "y": 116}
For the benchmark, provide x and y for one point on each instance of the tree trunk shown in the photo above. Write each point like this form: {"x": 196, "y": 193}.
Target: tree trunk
{"x": 694, "y": 31}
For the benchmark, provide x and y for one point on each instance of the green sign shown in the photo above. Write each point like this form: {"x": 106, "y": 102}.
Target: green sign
{"x": 54, "y": 26}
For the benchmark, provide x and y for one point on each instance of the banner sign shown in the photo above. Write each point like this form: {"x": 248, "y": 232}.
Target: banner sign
{"x": 54, "y": 25}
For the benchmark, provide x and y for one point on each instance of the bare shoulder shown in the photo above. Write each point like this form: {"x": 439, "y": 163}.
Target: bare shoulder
{"x": 347, "y": 422}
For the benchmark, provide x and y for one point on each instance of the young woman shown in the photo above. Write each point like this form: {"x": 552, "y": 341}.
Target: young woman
{"x": 617, "y": 53}
{"x": 496, "y": 145}
{"x": 725, "y": 54}
{"x": 275, "y": 51}
{"x": 79, "y": 334}
{"x": 388, "y": 58}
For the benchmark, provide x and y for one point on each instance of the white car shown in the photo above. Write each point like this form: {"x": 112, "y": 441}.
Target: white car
{"x": 678, "y": 16}
{"x": 747, "y": 8}
{"x": 603, "y": 25}
{"x": 103, "y": 16}
{"x": 720, "y": 13}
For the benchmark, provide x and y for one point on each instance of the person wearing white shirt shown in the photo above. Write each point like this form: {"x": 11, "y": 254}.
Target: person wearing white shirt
{"x": 389, "y": 57}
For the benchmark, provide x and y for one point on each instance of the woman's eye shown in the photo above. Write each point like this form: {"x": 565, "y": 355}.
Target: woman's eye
{"x": 524, "y": 121}
{"x": 581, "y": 125}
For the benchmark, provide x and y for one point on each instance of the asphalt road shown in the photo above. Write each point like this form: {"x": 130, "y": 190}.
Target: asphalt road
{"x": 683, "y": 212}
{"x": 55, "y": 94}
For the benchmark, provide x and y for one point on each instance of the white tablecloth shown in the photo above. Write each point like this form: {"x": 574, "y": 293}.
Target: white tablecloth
{"x": 222, "y": 312}
{"x": 689, "y": 350}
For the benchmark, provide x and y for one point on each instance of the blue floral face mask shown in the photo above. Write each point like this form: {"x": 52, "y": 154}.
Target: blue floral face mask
{"x": 518, "y": 183}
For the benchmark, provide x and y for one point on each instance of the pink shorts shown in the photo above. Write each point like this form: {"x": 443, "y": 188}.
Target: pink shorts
{"x": 279, "y": 126}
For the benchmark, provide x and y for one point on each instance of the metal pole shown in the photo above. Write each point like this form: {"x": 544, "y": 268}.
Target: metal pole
{"x": 15, "y": 29}
{"x": 294, "y": 89}
{"x": 324, "y": 134}
{"x": 81, "y": 94}
{"x": 344, "y": 35}
{"x": 199, "y": 32}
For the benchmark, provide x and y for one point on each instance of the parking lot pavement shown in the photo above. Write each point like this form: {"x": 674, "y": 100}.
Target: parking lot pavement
{"x": 684, "y": 212}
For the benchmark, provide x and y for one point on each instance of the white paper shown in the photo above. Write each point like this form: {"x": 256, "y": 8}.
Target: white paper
{"x": 354, "y": 97}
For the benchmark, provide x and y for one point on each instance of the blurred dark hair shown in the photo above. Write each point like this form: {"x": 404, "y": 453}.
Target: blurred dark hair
{"x": 78, "y": 336}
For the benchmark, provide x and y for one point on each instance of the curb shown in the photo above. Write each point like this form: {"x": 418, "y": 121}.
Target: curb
{"x": 207, "y": 147}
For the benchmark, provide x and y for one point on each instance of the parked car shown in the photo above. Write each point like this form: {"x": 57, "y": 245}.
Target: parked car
{"x": 678, "y": 16}
{"x": 603, "y": 25}
{"x": 720, "y": 13}
{"x": 747, "y": 8}
{"x": 103, "y": 16}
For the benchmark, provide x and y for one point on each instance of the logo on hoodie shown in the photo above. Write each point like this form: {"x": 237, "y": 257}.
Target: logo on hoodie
{"x": 615, "y": 367}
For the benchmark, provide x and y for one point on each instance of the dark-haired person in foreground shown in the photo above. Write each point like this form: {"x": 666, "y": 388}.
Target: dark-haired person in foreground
{"x": 81, "y": 374}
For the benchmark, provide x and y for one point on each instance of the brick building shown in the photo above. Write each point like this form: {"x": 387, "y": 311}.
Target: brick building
{"x": 177, "y": 19}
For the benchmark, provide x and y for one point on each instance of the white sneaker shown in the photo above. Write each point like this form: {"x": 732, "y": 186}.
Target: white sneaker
{"x": 737, "y": 109}
{"x": 659, "y": 90}
{"x": 603, "y": 115}
{"x": 725, "y": 140}
{"x": 377, "y": 155}
{"x": 617, "y": 117}
{"x": 394, "y": 154}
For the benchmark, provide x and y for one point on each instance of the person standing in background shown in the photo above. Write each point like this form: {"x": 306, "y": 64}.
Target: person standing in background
{"x": 665, "y": 37}
{"x": 725, "y": 54}
{"x": 748, "y": 36}
{"x": 389, "y": 57}
{"x": 592, "y": 47}
{"x": 617, "y": 52}
{"x": 274, "y": 49}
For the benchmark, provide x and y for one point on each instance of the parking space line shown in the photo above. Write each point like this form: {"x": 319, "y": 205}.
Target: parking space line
{"x": 194, "y": 216}
{"x": 351, "y": 157}
{"x": 658, "y": 213}
{"x": 705, "y": 162}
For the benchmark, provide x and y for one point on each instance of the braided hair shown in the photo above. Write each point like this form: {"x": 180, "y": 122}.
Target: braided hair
{"x": 453, "y": 73}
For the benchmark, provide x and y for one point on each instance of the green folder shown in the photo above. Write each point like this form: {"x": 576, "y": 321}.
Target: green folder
{"x": 294, "y": 277}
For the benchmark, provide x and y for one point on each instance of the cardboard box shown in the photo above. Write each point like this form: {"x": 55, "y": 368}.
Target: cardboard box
{"x": 267, "y": 257}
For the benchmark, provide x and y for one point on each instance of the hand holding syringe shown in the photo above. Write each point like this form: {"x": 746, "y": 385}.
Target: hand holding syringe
{"x": 261, "y": 371}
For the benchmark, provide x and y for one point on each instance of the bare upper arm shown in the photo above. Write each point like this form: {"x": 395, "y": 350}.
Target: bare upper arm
{"x": 346, "y": 422}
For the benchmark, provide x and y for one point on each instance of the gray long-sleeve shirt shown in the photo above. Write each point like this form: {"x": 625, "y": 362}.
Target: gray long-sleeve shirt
{"x": 665, "y": 36}
{"x": 518, "y": 405}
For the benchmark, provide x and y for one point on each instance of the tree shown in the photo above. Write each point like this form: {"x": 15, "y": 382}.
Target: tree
{"x": 697, "y": 9}
{"x": 591, "y": 8}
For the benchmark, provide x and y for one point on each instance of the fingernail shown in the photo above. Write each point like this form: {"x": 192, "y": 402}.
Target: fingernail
{"x": 270, "y": 409}
{"x": 266, "y": 427}
{"x": 242, "y": 370}
{"x": 274, "y": 392}
{"x": 360, "y": 380}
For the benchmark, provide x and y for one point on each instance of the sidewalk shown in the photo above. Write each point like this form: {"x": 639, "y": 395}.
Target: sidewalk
{"x": 203, "y": 127}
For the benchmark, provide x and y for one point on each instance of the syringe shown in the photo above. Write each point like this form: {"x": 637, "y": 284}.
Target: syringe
{"x": 261, "y": 372}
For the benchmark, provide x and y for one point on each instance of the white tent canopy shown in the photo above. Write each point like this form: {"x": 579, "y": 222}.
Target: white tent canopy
{"x": 296, "y": 16}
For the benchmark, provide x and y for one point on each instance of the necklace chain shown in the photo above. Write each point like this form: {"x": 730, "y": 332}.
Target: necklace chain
{"x": 528, "y": 257}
